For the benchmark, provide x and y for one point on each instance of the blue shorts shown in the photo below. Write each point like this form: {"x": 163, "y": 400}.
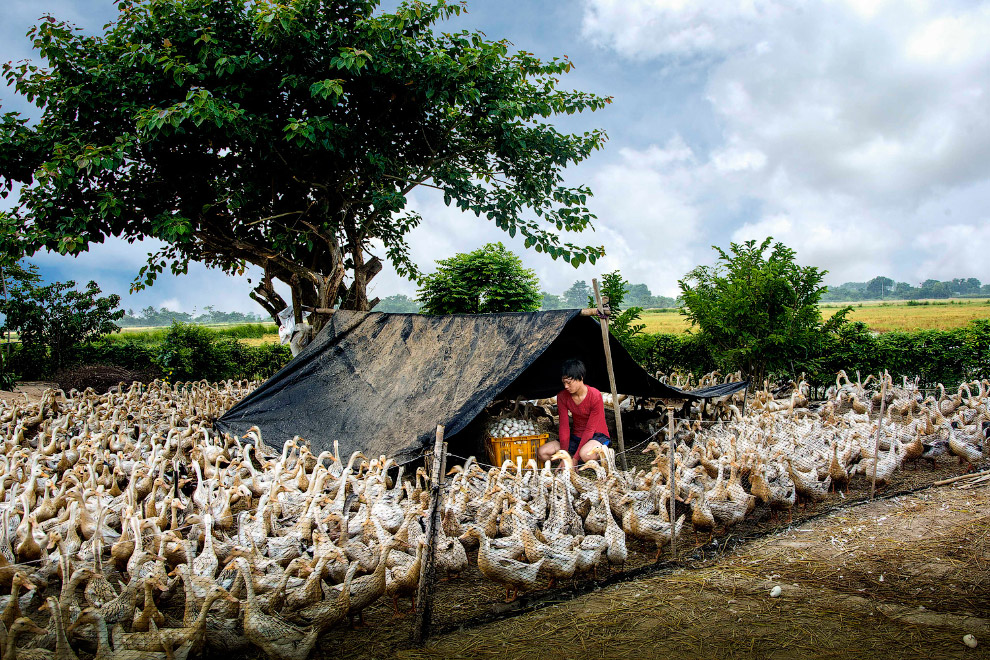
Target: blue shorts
{"x": 572, "y": 446}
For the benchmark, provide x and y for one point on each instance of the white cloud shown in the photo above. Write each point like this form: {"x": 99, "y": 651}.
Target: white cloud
{"x": 175, "y": 305}
{"x": 959, "y": 249}
{"x": 846, "y": 124}
{"x": 647, "y": 28}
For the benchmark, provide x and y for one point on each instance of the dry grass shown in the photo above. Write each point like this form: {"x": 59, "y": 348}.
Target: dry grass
{"x": 670, "y": 321}
{"x": 882, "y": 317}
{"x": 258, "y": 341}
{"x": 940, "y": 315}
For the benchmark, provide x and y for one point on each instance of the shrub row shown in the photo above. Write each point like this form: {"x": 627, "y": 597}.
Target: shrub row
{"x": 180, "y": 352}
{"x": 935, "y": 356}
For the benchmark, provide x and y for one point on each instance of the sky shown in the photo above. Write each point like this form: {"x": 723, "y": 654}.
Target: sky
{"x": 854, "y": 131}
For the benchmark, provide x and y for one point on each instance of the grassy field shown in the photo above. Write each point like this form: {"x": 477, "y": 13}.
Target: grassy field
{"x": 258, "y": 341}
{"x": 880, "y": 316}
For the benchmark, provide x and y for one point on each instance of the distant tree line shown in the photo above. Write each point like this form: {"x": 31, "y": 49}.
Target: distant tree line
{"x": 576, "y": 297}
{"x": 152, "y": 317}
{"x": 884, "y": 288}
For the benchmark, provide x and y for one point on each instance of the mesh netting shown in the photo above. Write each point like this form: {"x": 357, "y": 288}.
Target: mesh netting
{"x": 134, "y": 487}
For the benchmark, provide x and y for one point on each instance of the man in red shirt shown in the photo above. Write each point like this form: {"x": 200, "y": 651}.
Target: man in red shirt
{"x": 585, "y": 405}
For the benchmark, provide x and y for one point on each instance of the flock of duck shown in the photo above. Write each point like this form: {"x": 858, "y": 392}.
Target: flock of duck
{"x": 146, "y": 535}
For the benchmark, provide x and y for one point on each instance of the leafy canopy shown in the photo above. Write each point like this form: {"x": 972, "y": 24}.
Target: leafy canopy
{"x": 288, "y": 135}
{"x": 577, "y": 295}
{"x": 758, "y": 312}
{"x": 57, "y": 317}
{"x": 622, "y": 322}
{"x": 489, "y": 280}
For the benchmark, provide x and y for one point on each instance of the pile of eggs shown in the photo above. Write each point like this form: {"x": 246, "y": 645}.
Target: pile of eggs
{"x": 513, "y": 428}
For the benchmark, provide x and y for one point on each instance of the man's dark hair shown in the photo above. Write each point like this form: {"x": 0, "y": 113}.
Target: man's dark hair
{"x": 573, "y": 368}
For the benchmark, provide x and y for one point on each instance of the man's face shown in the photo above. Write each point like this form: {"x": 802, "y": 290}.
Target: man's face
{"x": 572, "y": 385}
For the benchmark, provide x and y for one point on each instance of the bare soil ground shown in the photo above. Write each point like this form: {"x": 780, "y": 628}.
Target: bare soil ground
{"x": 900, "y": 578}
{"x": 26, "y": 391}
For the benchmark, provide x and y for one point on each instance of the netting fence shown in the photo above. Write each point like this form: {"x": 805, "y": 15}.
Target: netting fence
{"x": 93, "y": 481}
{"x": 513, "y": 538}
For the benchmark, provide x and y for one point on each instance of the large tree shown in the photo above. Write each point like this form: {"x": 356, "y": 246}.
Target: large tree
{"x": 287, "y": 135}
{"x": 757, "y": 309}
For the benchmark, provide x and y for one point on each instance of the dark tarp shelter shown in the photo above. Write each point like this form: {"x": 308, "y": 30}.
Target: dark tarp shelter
{"x": 382, "y": 382}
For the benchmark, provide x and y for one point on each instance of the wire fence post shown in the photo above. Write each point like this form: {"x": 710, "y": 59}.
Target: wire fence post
{"x": 427, "y": 575}
{"x": 611, "y": 373}
{"x": 671, "y": 481}
{"x": 876, "y": 445}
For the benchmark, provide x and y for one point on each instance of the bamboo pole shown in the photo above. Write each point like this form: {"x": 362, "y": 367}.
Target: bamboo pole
{"x": 671, "y": 481}
{"x": 963, "y": 477}
{"x": 876, "y": 445}
{"x": 427, "y": 574}
{"x": 611, "y": 373}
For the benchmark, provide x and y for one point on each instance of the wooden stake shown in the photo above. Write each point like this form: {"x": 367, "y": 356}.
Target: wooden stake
{"x": 876, "y": 445}
{"x": 972, "y": 475}
{"x": 671, "y": 481}
{"x": 603, "y": 322}
{"x": 427, "y": 574}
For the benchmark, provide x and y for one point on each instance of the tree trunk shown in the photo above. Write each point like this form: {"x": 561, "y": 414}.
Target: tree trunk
{"x": 356, "y": 297}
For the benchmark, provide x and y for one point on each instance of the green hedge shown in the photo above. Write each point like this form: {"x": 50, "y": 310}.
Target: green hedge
{"x": 936, "y": 356}
{"x": 179, "y": 352}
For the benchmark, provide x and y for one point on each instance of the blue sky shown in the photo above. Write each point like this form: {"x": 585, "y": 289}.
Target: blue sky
{"x": 855, "y": 131}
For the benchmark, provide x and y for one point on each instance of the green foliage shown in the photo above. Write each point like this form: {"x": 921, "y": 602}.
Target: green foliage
{"x": 639, "y": 295}
{"x": 191, "y": 352}
{"x": 622, "y": 322}
{"x": 885, "y": 288}
{"x": 243, "y": 331}
{"x": 759, "y": 313}
{"x": 880, "y": 287}
{"x": 10, "y": 271}
{"x": 577, "y": 295}
{"x": 935, "y": 356}
{"x": 397, "y": 304}
{"x": 489, "y": 280}
{"x": 613, "y": 288}
{"x": 247, "y": 330}
{"x": 57, "y": 317}
{"x": 8, "y": 377}
{"x": 180, "y": 120}
{"x": 149, "y": 316}
{"x": 550, "y": 301}
{"x": 263, "y": 361}
{"x": 130, "y": 353}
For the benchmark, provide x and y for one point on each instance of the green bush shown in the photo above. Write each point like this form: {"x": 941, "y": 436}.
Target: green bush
{"x": 129, "y": 353}
{"x": 935, "y": 356}
{"x": 190, "y": 352}
{"x": 265, "y": 360}
{"x": 29, "y": 362}
{"x": 180, "y": 352}
{"x": 247, "y": 330}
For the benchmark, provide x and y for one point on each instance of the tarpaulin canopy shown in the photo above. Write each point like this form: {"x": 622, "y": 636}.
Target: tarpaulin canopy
{"x": 381, "y": 383}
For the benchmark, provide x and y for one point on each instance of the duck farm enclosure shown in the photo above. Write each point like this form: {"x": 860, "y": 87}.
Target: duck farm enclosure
{"x": 131, "y": 529}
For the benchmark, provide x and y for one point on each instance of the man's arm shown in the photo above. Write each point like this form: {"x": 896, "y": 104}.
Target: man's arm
{"x": 563, "y": 426}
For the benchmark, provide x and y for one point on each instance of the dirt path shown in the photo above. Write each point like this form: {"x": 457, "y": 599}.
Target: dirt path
{"x": 900, "y": 578}
{"x": 26, "y": 391}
